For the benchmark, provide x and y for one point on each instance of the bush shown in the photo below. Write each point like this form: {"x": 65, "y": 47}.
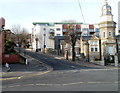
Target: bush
{"x": 9, "y": 47}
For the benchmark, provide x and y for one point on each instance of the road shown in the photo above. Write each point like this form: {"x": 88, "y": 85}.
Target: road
{"x": 66, "y": 76}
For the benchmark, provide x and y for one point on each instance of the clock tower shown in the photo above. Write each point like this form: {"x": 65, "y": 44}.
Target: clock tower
{"x": 107, "y": 31}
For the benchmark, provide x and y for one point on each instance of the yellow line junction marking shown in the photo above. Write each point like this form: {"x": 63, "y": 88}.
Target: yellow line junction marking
{"x": 26, "y": 76}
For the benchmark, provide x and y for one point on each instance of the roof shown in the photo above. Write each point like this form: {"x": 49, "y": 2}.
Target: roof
{"x": 53, "y": 23}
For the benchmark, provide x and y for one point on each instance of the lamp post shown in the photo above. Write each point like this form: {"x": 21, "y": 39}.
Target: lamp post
{"x": 88, "y": 45}
{"x": 44, "y": 43}
{"x": 36, "y": 44}
{"x": 44, "y": 39}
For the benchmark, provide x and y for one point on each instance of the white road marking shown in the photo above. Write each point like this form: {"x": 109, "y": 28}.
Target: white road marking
{"x": 73, "y": 66}
{"x": 20, "y": 77}
{"x": 64, "y": 84}
{"x": 81, "y": 70}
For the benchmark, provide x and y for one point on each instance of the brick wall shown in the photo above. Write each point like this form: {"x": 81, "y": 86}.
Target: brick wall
{"x": 1, "y": 45}
{"x": 10, "y": 58}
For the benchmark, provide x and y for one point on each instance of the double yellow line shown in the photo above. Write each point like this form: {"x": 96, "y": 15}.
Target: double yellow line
{"x": 25, "y": 76}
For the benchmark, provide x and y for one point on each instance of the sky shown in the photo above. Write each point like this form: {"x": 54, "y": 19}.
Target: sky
{"x": 25, "y": 12}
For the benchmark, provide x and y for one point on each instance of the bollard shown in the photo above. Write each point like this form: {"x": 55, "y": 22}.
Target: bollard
{"x": 116, "y": 61}
{"x": 26, "y": 62}
{"x": 7, "y": 65}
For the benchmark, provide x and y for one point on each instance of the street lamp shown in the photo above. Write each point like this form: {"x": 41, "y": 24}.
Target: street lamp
{"x": 44, "y": 42}
{"x": 44, "y": 39}
{"x": 88, "y": 59}
{"x": 36, "y": 44}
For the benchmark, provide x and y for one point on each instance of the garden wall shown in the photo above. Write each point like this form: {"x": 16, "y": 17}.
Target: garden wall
{"x": 10, "y": 58}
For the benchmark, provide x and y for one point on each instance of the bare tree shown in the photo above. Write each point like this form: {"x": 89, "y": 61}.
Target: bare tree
{"x": 71, "y": 38}
{"x": 21, "y": 34}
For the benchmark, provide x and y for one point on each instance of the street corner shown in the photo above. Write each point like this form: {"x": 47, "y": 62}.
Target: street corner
{"x": 20, "y": 71}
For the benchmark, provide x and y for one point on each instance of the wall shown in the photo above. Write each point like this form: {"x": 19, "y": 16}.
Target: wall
{"x": 58, "y": 31}
{"x": 118, "y": 32}
{"x": 1, "y": 45}
{"x": 9, "y": 58}
{"x": 2, "y": 22}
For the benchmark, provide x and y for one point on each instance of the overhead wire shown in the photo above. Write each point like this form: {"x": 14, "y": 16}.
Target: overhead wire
{"x": 81, "y": 11}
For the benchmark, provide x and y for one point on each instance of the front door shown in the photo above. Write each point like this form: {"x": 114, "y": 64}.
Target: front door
{"x": 110, "y": 50}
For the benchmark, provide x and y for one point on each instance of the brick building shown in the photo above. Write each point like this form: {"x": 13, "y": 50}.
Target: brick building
{"x": 2, "y": 24}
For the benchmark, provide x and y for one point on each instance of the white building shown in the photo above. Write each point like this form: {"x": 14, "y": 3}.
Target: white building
{"x": 44, "y": 33}
{"x": 40, "y": 36}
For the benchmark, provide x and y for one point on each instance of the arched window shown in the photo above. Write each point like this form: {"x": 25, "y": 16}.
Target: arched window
{"x": 104, "y": 34}
{"x": 109, "y": 33}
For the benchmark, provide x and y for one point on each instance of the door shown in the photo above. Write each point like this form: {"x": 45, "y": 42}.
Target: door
{"x": 111, "y": 50}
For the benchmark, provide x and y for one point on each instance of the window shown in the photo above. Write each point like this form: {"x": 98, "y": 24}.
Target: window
{"x": 96, "y": 49}
{"x": 109, "y": 33}
{"x": 84, "y": 29}
{"x": 104, "y": 34}
{"x": 58, "y": 29}
{"x": 78, "y": 30}
{"x": 97, "y": 30}
{"x": 92, "y": 49}
{"x": 58, "y": 35}
{"x": 44, "y": 29}
{"x": 91, "y": 30}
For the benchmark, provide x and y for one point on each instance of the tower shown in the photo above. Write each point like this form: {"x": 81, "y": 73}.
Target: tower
{"x": 107, "y": 31}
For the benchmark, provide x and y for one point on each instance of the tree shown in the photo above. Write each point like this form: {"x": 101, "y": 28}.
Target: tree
{"x": 21, "y": 34}
{"x": 71, "y": 37}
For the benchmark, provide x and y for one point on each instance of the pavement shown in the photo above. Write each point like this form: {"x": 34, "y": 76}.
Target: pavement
{"x": 21, "y": 70}
{"x": 82, "y": 63}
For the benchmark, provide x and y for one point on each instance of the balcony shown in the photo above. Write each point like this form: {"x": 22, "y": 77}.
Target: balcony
{"x": 78, "y": 30}
{"x": 91, "y": 31}
{"x": 97, "y": 30}
{"x": 51, "y": 37}
{"x": 51, "y": 31}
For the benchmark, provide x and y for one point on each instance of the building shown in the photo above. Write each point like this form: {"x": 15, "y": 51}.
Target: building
{"x": 2, "y": 24}
{"x": 41, "y": 37}
{"x": 52, "y": 34}
{"x": 1, "y": 45}
{"x": 105, "y": 45}
{"x": 96, "y": 41}
{"x": 118, "y": 19}
{"x": 107, "y": 31}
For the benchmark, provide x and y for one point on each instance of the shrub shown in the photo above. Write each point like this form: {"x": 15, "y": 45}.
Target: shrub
{"x": 9, "y": 47}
